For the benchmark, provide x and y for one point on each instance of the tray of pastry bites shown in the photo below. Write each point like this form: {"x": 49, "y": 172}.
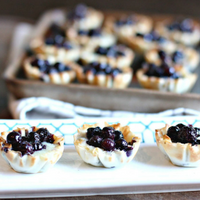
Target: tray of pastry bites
{"x": 110, "y": 60}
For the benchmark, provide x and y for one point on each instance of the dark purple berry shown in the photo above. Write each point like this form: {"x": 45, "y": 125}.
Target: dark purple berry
{"x": 187, "y": 135}
{"x": 118, "y": 135}
{"x": 172, "y": 132}
{"x": 95, "y": 141}
{"x": 26, "y": 148}
{"x": 121, "y": 144}
{"x": 129, "y": 151}
{"x": 42, "y": 132}
{"x": 5, "y": 149}
{"x": 180, "y": 125}
{"x": 108, "y": 132}
{"x": 33, "y": 137}
{"x": 108, "y": 144}
{"x": 93, "y": 131}
{"x": 24, "y": 138}
{"x": 60, "y": 67}
{"x": 49, "y": 138}
{"x": 14, "y": 137}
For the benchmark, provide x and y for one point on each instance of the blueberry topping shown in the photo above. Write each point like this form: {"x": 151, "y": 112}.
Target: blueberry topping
{"x": 184, "y": 134}
{"x": 33, "y": 136}
{"x": 108, "y": 139}
{"x": 90, "y": 33}
{"x": 32, "y": 141}
{"x": 102, "y": 68}
{"x": 125, "y": 21}
{"x": 42, "y": 65}
{"x": 164, "y": 70}
{"x": 47, "y": 68}
{"x": 108, "y": 144}
{"x": 177, "y": 56}
{"x": 60, "y": 67}
{"x": 108, "y": 132}
{"x": 14, "y": 137}
{"x": 129, "y": 151}
{"x": 26, "y": 148}
{"x": 93, "y": 131}
{"x": 95, "y": 141}
{"x": 112, "y": 51}
{"x": 78, "y": 13}
{"x": 118, "y": 135}
{"x": 152, "y": 37}
{"x": 121, "y": 144}
{"x": 186, "y": 25}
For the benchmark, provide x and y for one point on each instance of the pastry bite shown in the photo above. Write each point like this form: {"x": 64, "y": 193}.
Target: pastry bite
{"x": 166, "y": 78}
{"x": 50, "y": 70}
{"x": 128, "y": 24}
{"x": 84, "y": 17}
{"x": 55, "y": 43}
{"x": 31, "y": 150}
{"x": 180, "y": 144}
{"x": 141, "y": 43}
{"x": 106, "y": 145}
{"x": 89, "y": 39}
{"x": 116, "y": 55}
{"x": 187, "y": 57}
{"x": 184, "y": 31}
{"x": 104, "y": 75}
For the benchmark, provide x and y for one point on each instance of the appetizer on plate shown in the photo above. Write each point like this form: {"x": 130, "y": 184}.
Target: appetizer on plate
{"x": 104, "y": 75}
{"x": 116, "y": 55}
{"x": 89, "y": 39}
{"x": 180, "y": 144}
{"x": 106, "y": 145}
{"x": 128, "y": 24}
{"x": 166, "y": 78}
{"x": 54, "y": 43}
{"x": 187, "y": 57}
{"x": 84, "y": 17}
{"x": 141, "y": 43}
{"x": 31, "y": 150}
{"x": 48, "y": 69}
{"x": 184, "y": 31}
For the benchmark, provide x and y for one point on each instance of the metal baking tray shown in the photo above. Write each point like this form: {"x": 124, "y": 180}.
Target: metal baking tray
{"x": 134, "y": 98}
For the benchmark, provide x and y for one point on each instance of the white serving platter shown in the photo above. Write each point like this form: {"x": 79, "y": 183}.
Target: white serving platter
{"x": 149, "y": 171}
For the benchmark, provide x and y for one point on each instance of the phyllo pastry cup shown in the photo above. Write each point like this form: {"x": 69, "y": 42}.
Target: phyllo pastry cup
{"x": 188, "y": 57}
{"x": 49, "y": 69}
{"x": 128, "y": 24}
{"x": 185, "y": 154}
{"x": 185, "y": 31}
{"x": 31, "y": 157}
{"x": 104, "y": 75}
{"x": 116, "y": 55}
{"x": 97, "y": 156}
{"x": 84, "y": 17}
{"x": 180, "y": 81}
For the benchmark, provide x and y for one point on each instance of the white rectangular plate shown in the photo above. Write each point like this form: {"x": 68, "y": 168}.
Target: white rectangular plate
{"x": 148, "y": 172}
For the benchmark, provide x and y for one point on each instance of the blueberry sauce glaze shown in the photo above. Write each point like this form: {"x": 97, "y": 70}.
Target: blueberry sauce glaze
{"x": 108, "y": 139}
{"x": 151, "y": 37}
{"x": 31, "y": 142}
{"x": 185, "y": 25}
{"x": 47, "y": 68}
{"x": 113, "y": 51}
{"x": 164, "y": 70}
{"x": 184, "y": 134}
{"x": 102, "y": 68}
